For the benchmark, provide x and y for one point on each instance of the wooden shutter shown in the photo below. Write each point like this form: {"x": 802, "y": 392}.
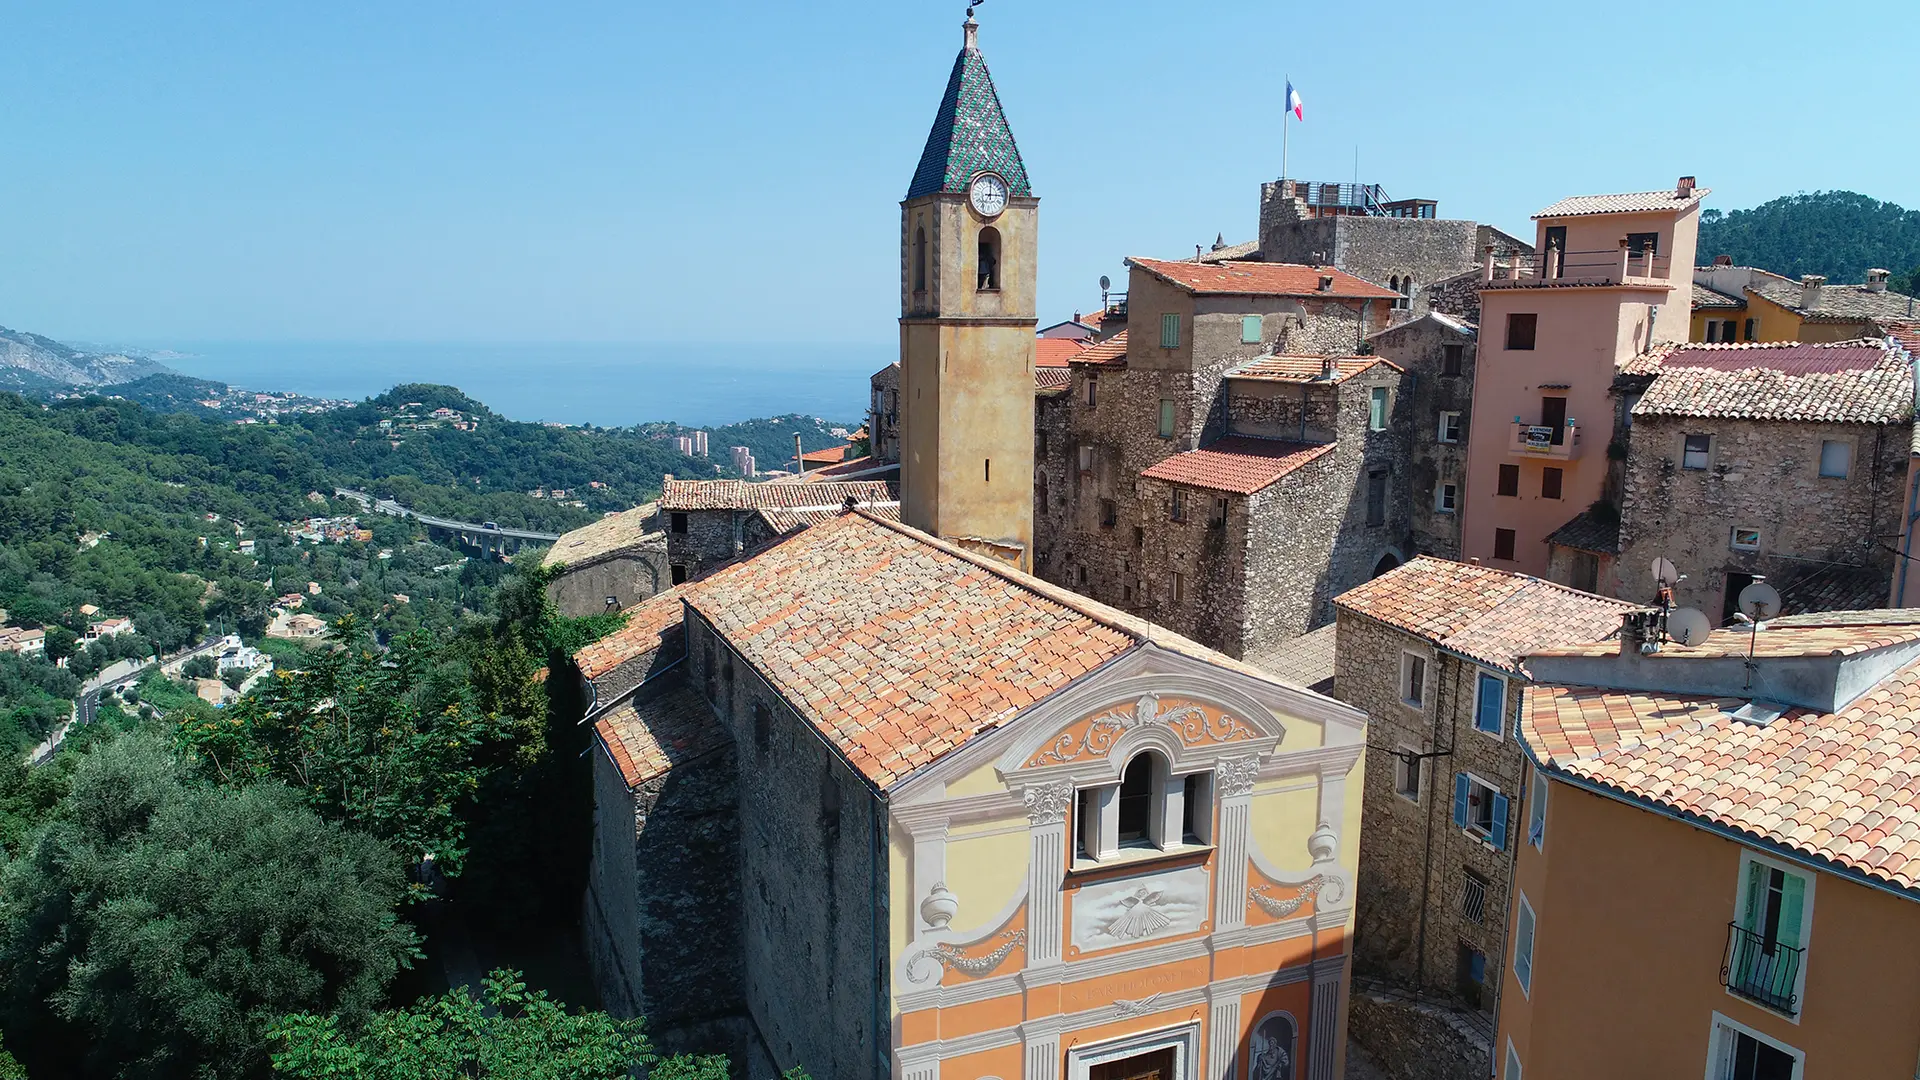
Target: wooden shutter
{"x": 1756, "y": 897}
{"x": 1500, "y": 805}
{"x": 1170, "y": 330}
{"x": 1460, "y": 799}
{"x": 1487, "y": 709}
{"x": 1793, "y": 896}
{"x": 1250, "y": 330}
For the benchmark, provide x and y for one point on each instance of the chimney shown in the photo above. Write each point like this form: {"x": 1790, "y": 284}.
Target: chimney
{"x": 1684, "y": 189}
{"x": 1326, "y": 282}
{"x": 1723, "y": 260}
{"x": 1810, "y": 290}
{"x": 970, "y": 31}
{"x": 1876, "y": 280}
{"x": 1632, "y": 632}
{"x": 1329, "y": 368}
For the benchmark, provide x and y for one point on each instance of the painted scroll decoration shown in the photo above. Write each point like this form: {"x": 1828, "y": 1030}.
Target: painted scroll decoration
{"x": 1191, "y": 723}
{"x": 1309, "y": 890}
{"x": 949, "y": 958}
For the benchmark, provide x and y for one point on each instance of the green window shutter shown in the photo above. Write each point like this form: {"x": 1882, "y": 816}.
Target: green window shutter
{"x": 1793, "y": 896}
{"x": 1170, "y": 330}
{"x": 1756, "y": 897}
{"x": 1166, "y": 418}
{"x": 1250, "y": 330}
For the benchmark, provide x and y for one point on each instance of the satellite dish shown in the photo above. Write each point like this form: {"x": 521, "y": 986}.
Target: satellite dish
{"x": 1688, "y": 626}
{"x": 1105, "y": 283}
{"x": 1760, "y": 600}
{"x": 1665, "y": 573}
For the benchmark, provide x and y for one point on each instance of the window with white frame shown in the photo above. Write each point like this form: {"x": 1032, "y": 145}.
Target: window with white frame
{"x": 1537, "y": 812}
{"x": 1695, "y": 451}
{"x": 1743, "y": 538}
{"x": 1767, "y": 944}
{"x": 1446, "y": 498}
{"x": 1413, "y": 679}
{"x": 1449, "y": 427}
{"x": 1489, "y": 702}
{"x": 1406, "y": 773}
{"x": 1835, "y": 458}
{"x": 1377, "y": 409}
{"x": 1523, "y": 928}
{"x": 1480, "y": 809}
{"x": 1738, "y": 1052}
{"x": 1149, "y": 809}
{"x": 1513, "y": 1063}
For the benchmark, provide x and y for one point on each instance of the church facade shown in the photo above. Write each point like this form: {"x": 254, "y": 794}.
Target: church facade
{"x": 877, "y": 802}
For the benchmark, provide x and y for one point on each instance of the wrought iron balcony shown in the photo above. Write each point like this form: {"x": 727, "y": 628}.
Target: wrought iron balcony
{"x": 1762, "y": 971}
{"x": 1544, "y": 441}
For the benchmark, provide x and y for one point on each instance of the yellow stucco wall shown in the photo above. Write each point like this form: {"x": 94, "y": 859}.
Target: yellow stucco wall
{"x": 986, "y": 867}
{"x": 1771, "y": 322}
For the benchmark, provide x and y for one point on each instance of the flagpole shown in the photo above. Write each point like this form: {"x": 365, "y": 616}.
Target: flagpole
{"x": 1286, "y": 110}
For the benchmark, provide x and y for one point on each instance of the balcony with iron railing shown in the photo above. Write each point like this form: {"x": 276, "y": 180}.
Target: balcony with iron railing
{"x": 1553, "y": 267}
{"x": 1762, "y": 970}
{"x": 1114, "y": 307}
{"x": 1544, "y": 441}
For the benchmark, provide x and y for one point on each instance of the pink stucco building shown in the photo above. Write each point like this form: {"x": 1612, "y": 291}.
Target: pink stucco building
{"x": 1613, "y": 275}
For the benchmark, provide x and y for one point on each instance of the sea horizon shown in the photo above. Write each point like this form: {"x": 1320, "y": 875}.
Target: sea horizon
{"x": 605, "y": 384}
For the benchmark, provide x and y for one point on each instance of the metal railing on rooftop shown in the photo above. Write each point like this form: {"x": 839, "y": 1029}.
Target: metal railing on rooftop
{"x": 1619, "y": 265}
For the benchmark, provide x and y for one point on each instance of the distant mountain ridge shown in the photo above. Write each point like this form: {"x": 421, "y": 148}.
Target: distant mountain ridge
{"x": 1836, "y": 233}
{"x": 30, "y": 362}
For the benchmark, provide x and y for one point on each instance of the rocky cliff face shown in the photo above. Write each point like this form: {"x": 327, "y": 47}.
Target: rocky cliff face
{"x": 30, "y": 358}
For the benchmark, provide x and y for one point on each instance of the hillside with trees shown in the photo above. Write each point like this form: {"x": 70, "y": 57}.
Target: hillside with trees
{"x": 1836, "y": 233}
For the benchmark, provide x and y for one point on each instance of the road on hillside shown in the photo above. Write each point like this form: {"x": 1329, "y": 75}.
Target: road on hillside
{"x": 87, "y": 706}
{"x": 394, "y": 509}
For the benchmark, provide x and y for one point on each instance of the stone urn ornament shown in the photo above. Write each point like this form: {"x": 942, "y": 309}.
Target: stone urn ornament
{"x": 940, "y": 906}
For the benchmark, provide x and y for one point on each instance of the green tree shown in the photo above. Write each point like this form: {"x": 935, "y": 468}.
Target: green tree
{"x": 389, "y": 742}
{"x": 162, "y": 923}
{"x": 509, "y": 1033}
{"x": 199, "y": 667}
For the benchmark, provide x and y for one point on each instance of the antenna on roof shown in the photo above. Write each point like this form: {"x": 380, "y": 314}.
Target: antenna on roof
{"x": 1757, "y": 602}
{"x": 1689, "y": 626}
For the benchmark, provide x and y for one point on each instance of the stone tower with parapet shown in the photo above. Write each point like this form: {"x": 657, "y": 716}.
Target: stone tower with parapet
{"x": 968, "y": 246}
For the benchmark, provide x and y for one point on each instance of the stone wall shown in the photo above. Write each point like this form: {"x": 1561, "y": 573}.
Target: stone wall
{"x": 1419, "y": 347}
{"x": 1765, "y": 476}
{"x": 712, "y": 537}
{"x": 629, "y": 576}
{"x": 1415, "y": 1038}
{"x": 883, "y": 413}
{"x": 813, "y": 878}
{"x": 1412, "y": 856}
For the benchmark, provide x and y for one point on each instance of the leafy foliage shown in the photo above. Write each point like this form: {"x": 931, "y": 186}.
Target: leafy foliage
{"x": 167, "y": 922}
{"x": 1836, "y": 233}
{"x": 508, "y": 1032}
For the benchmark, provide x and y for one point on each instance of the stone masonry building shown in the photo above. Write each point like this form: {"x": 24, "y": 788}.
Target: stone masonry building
{"x": 707, "y": 522}
{"x": 1432, "y": 652}
{"x": 1434, "y": 411}
{"x": 614, "y": 563}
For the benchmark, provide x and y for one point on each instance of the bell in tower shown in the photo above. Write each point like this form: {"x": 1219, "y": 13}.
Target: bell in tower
{"x": 968, "y": 234}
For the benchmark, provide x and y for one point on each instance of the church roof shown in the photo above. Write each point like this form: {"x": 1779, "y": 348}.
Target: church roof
{"x": 970, "y": 134}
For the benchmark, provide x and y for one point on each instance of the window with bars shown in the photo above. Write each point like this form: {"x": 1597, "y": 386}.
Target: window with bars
{"x": 1473, "y": 897}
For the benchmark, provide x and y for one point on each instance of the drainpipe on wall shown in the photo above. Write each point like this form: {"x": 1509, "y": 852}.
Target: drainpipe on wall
{"x": 1906, "y": 542}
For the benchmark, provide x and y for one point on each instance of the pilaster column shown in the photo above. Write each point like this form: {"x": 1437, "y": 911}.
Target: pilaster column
{"x": 1223, "y": 1038}
{"x": 929, "y": 869}
{"x": 1233, "y": 787}
{"x": 928, "y": 1069}
{"x": 1047, "y": 806}
{"x": 1326, "y": 1023}
{"x": 1043, "y": 1059}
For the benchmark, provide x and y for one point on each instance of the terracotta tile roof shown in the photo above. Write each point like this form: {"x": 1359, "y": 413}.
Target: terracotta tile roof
{"x": 1587, "y": 532}
{"x": 1306, "y": 660}
{"x": 1704, "y": 297}
{"x": 652, "y": 624}
{"x": 1863, "y": 381}
{"x": 1820, "y": 589}
{"x": 1636, "y": 202}
{"x": 783, "y": 522}
{"x": 647, "y": 739}
{"x": 1300, "y": 369}
{"x": 1842, "y": 786}
{"x": 1094, "y": 318}
{"x": 1262, "y": 279}
{"x": 832, "y": 455}
{"x": 1838, "y": 303}
{"x": 1052, "y": 378}
{"x": 1053, "y": 352}
{"x": 616, "y": 532}
{"x": 1826, "y": 637}
{"x": 863, "y": 468}
{"x": 896, "y": 648}
{"x": 772, "y": 495}
{"x": 1109, "y": 353}
{"x": 1905, "y": 332}
{"x": 1494, "y": 616}
{"x": 1239, "y": 464}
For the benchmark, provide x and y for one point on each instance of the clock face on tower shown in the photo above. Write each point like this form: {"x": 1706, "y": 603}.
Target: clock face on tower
{"x": 988, "y": 194}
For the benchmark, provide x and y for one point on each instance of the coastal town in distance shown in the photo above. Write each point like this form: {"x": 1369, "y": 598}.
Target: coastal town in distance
{"x": 1370, "y": 644}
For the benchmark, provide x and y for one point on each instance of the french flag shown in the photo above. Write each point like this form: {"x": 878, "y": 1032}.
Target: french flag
{"x": 1293, "y": 102}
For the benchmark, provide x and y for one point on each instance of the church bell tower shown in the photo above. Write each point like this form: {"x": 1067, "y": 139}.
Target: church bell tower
{"x": 968, "y": 238}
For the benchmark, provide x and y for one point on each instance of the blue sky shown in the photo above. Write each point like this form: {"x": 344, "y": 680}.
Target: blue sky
{"x": 731, "y": 171}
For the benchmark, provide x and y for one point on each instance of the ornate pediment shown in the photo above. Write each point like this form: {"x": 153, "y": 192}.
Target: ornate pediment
{"x": 1193, "y": 723}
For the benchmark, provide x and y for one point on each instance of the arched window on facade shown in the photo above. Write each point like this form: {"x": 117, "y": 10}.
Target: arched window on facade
{"x": 1406, "y": 293}
{"x": 1145, "y": 774}
{"x": 989, "y": 269}
{"x": 919, "y": 260}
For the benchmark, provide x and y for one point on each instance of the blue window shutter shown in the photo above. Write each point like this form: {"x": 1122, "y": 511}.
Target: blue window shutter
{"x": 1460, "y": 799}
{"x": 1487, "y": 711}
{"x": 1500, "y": 822}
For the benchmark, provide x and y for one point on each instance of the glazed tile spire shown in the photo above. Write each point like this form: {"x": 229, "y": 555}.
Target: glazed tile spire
{"x": 970, "y": 132}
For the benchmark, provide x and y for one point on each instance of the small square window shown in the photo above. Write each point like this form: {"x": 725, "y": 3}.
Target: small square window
{"x": 1521, "y": 330}
{"x": 1550, "y": 480}
{"x": 1446, "y": 499}
{"x": 1166, "y": 418}
{"x": 1177, "y": 508}
{"x": 1835, "y": 457}
{"x": 1178, "y": 586}
{"x": 1449, "y": 427}
{"x": 1218, "y": 519}
{"x": 1509, "y": 480}
{"x": 679, "y": 522}
{"x": 1473, "y": 902}
{"x": 1376, "y": 498}
{"x": 1503, "y": 544}
{"x": 1109, "y": 513}
{"x": 1743, "y": 539}
{"x": 1377, "y": 409}
{"x": 1406, "y": 774}
{"x": 1139, "y": 537}
{"x": 1250, "y": 330}
{"x": 1695, "y": 452}
{"x": 1413, "y": 679}
{"x": 1450, "y": 356}
{"x": 1086, "y": 458}
{"x": 1093, "y": 388}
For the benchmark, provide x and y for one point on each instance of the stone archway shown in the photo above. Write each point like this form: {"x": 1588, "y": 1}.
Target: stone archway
{"x": 1386, "y": 563}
